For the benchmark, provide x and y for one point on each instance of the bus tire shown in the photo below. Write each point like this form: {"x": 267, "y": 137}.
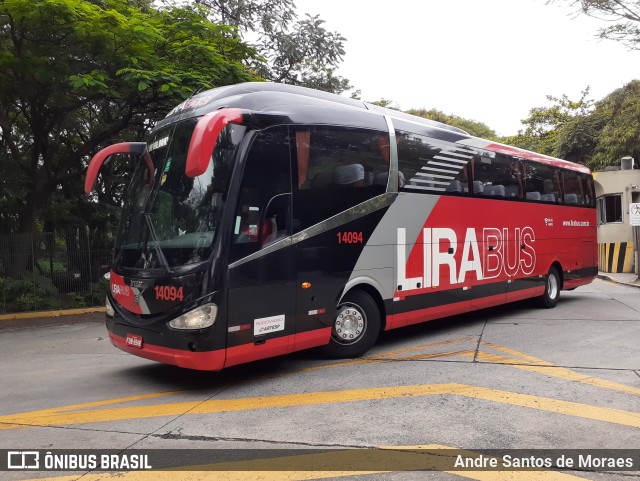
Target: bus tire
{"x": 355, "y": 328}
{"x": 549, "y": 299}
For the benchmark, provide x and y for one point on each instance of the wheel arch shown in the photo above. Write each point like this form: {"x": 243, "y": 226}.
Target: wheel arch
{"x": 556, "y": 263}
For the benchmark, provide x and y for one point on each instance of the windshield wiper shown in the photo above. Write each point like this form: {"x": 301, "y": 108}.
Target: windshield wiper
{"x": 154, "y": 236}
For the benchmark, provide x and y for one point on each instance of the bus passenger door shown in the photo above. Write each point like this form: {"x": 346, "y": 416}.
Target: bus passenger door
{"x": 261, "y": 294}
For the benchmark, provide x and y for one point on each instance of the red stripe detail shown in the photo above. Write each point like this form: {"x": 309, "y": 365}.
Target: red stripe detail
{"x": 422, "y": 315}
{"x": 322, "y": 311}
{"x": 277, "y": 346}
{"x": 573, "y": 283}
{"x": 215, "y": 360}
{"x": 543, "y": 159}
{"x": 308, "y": 339}
{"x": 203, "y": 361}
{"x": 431, "y": 313}
{"x": 252, "y": 352}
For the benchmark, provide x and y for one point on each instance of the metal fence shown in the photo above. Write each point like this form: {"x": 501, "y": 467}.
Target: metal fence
{"x": 53, "y": 270}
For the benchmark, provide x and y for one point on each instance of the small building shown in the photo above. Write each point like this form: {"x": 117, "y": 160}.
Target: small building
{"x": 616, "y": 188}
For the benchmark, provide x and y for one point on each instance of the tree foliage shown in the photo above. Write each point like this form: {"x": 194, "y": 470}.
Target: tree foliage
{"x": 544, "y": 125}
{"x": 617, "y": 117}
{"x": 473, "y": 127}
{"x": 294, "y": 51}
{"x": 623, "y": 17}
{"x": 76, "y": 74}
{"x": 597, "y": 134}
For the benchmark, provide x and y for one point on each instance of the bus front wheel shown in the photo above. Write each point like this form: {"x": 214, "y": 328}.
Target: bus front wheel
{"x": 355, "y": 328}
{"x": 551, "y": 290}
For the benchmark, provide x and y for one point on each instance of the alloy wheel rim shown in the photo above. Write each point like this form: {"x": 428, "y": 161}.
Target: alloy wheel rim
{"x": 552, "y": 286}
{"x": 350, "y": 323}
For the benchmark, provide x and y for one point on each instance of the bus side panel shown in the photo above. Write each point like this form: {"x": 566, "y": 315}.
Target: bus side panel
{"x": 261, "y": 307}
{"x": 325, "y": 263}
{"x": 455, "y": 254}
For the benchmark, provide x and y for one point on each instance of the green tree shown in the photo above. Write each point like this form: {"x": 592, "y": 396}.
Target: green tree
{"x": 545, "y": 125}
{"x": 618, "y": 119}
{"x": 597, "y": 134}
{"x": 294, "y": 51}
{"x": 622, "y": 16}
{"x": 76, "y": 75}
{"x": 473, "y": 127}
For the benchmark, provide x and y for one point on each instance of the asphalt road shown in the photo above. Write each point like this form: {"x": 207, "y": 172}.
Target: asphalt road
{"x": 514, "y": 377}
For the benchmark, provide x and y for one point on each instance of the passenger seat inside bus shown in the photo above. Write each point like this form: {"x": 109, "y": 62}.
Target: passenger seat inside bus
{"x": 511, "y": 191}
{"x": 381, "y": 178}
{"x": 478, "y": 187}
{"x": 571, "y": 198}
{"x": 494, "y": 190}
{"x": 454, "y": 186}
{"x": 533, "y": 195}
{"x": 548, "y": 197}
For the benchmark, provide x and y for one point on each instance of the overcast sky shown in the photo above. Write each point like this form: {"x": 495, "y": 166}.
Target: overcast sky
{"x": 486, "y": 60}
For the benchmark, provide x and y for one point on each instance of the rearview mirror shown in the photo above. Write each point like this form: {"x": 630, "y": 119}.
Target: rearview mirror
{"x": 133, "y": 148}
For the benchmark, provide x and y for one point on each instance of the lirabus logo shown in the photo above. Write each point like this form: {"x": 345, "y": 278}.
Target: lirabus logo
{"x": 504, "y": 251}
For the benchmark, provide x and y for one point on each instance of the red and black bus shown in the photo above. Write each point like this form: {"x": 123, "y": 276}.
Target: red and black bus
{"x": 263, "y": 219}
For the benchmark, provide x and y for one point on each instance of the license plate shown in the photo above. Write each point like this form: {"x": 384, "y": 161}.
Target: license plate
{"x": 134, "y": 340}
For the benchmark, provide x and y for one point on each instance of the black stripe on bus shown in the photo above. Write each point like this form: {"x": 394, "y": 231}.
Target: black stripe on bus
{"x": 580, "y": 273}
{"x": 452, "y": 296}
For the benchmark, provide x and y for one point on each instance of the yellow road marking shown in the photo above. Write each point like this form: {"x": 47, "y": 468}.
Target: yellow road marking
{"x": 53, "y": 412}
{"x": 66, "y": 417}
{"x": 374, "y": 358}
{"x": 318, "y": 466}
{"x": 545, "y": 367}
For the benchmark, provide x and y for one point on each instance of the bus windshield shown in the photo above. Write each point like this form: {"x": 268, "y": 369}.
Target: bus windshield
{"x": 172, "y": 220}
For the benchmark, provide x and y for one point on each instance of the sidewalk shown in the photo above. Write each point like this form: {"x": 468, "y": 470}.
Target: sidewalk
{"x": 51, "y": 318}
{"x": 620, "y": 278}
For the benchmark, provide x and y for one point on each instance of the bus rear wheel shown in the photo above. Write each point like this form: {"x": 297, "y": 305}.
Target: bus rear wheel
{"x": 355, "y": 328}
{"x": 551, "y": 290}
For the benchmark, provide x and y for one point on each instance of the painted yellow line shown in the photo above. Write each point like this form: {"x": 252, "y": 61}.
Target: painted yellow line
{"x": 58, "y": 313}
{"x": 375, "y": 358}
{"x": 423, "y": 347}
{"x": 544, "y": 367}
{"x": 66, "y": 417}
{"x": 421, "y": 356}
{"x": 318, "y": 466}
{"x": 121, "y": 400}
{"x": 79, "y": 407}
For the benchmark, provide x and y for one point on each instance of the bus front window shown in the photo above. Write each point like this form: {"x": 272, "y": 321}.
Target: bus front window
{"x": 174, "y": 222}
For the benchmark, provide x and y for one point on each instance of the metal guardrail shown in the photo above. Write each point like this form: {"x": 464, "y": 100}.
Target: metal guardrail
{"x": 53, "y": 271}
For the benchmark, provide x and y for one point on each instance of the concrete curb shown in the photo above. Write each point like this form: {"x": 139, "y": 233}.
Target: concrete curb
{"x": 42, "y": 314}
{"x": 618, "y": 281}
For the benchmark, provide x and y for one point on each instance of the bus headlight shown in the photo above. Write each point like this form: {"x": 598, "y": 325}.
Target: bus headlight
{"x": 109, "y": 307}
{"x": 199, "y": 318}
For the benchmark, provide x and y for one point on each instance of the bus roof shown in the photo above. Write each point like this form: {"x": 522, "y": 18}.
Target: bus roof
{"x": 274, "y": 97}
{"x": 210, "y": 100}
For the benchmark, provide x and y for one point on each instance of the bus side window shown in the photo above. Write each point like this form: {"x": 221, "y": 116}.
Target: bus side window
{"x": 573, "y": 190}
{"x": 262, "y": 212}
{"x": 542, "y": 182}
{"x": 588, "y": 188}
{"x": 431, "y": 166}
{"x": 497, "y": 175}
